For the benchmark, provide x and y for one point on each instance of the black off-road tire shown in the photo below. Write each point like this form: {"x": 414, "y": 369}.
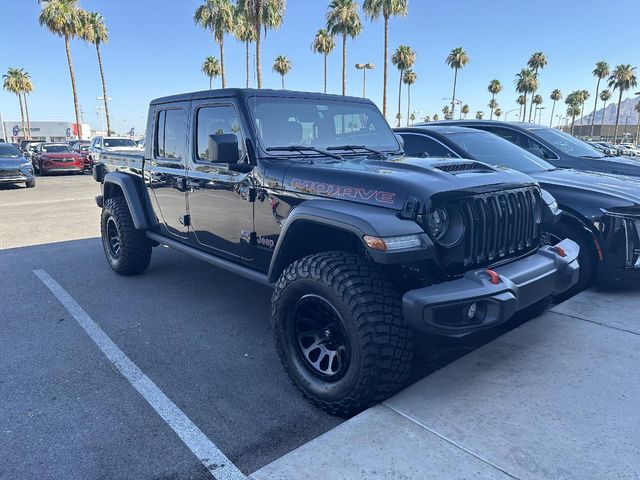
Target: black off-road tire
{"x": 370, "y": 310}
{"x": 134, "y": 253}
{"x": 31, "y": 183}
{"x": 587, "y": 258}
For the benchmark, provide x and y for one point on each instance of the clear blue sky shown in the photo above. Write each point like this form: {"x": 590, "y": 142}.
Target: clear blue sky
{"x": 155, "y": 50}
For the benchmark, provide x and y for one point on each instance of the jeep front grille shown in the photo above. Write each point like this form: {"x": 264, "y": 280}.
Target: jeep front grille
{"x": 500, "y": 225}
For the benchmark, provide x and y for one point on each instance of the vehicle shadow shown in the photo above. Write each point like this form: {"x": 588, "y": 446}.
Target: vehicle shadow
{"x": 12, "y": 186}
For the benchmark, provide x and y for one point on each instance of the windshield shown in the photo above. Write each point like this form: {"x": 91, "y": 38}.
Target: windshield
{"x": 55, "y": 148}
{"x": 119, "y": 142}
{"x": 320, "y": 123}
{"x": 566, "y": 143}
{"x": 495, "y": 150}
{"x": 84, "y": 148}
{"x": 8, "y": 150}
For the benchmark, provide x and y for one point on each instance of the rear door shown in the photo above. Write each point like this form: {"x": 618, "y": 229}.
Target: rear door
{"x": 167, "y": 174}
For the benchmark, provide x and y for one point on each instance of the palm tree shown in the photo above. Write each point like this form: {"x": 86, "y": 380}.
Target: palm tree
{"x": 600, "y": 72}
{"x": 435, "y": 117}
{"x": 403, "y": 58}
{"x": 537, "y": 101}
{"x": 95, "y": 31}
{"x": 217, "y": 16}
{"x": 245, "y": 33}
{"x": 62, "y": 18}
{"x": 323, "y": 43}
{"x": 583, "y": 97}
{"x": 412, "y": 117}
{"x": 456, "y": 59}
{"x": 526, "y": 82}
{"x": 479, "y": 114}
{"x": 494, "y": 88}
{"x": 556, "y": 95}
{"x": 211, "y": 68}
{"x": 343, "y": 19}
{"x": 261, "y": 14}
{"x": 521, "y": 100}
{"x": 26, "y": 87}
{"x": 537, "y": 61}
{"x": 409, "y": 78}
{"x": 492, "y": 105}
{"x": 445, "y": 111}
{"x": 387, "y": 8}
{"x": 464, "y": 110}
{"x": 605, "y": 96}
{"x": 636, "y": 108}
{"x": 623, "y": 78}
{"x": 427, "y": 118}
{"x": 498, "y": 113}
{"x": 573, "y": 104}
{"x": 12, "y": 83}
{"x": 282, "y": 65}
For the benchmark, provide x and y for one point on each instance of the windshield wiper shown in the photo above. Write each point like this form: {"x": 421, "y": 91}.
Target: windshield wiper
{"x": 353, "y": 148}
{"x": 302, "y": 148}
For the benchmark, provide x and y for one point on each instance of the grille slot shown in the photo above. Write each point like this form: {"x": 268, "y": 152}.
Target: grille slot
{"x": 462, "y": 167}
{"x": 500, "y": 225}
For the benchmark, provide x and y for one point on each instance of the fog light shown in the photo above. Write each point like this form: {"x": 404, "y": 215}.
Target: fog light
{"x": 471, "y": 310}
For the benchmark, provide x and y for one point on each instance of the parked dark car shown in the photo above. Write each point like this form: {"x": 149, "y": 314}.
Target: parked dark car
{"x": 14, "y": 167}
{"x": 601, "y": 212}
{"x": 81, "y": 147}
{"x": 56, "y": 158}
{"x": 311, "y": 194}
{"x": 556, "y": 147}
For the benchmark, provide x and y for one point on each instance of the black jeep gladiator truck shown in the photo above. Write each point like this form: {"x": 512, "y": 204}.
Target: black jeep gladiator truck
{"x": 363, "y": 246}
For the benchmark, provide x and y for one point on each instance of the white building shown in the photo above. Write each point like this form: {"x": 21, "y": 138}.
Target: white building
{"x": 47, "y": 131}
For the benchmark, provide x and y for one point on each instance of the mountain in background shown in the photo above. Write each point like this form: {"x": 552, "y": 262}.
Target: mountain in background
{"x": 626, "y": 108}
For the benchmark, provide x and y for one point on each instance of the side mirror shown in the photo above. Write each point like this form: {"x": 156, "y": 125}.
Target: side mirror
{"x": 223, "y": 148}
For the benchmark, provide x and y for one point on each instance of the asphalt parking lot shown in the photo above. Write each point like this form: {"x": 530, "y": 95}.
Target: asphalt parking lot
{"x": 201, "y": 335}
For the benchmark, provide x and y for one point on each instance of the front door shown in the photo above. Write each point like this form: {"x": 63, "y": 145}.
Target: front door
{"x": 167, "y": 174}
{"x": 219, "y": 198}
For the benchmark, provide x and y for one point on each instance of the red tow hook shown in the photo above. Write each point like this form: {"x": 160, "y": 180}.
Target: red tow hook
{"x": 494, "y": 277}
{"x": 560, "y": 250}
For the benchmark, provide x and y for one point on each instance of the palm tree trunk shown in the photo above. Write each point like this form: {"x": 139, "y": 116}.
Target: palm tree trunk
{"x": 210, "y": 83}
{"x": 520, "y": 113}
{"x": 73, "y": 88}
{"x": 408, "y": 102}
{"x": 399, "y": 98}
{"x": 22, "y": 124}
{"x": 453, "y": 97}
{"x": 573, "y": 122}
{"x": 553, "y": 109}
{"x": 524, "y": 107}
{"x": 533, "y": 93}
{"x": 581, "y": 117}
{"x": 246, "y": 59}
{"x": 637, "y": 131}
{"x": 224, "y": 80}
{"x": 386, "y": 66}
{"x": 595, "y": 106}
{"x": 615, "y": 131}
{"x": 325, "y": 73}
{"x": 26, "y": 109}
{"x": 604, "y": 110}
{"x": 104, "y": 89}
{"x": 344, "y": 64}
{"x": 282, "y": 78}
{"x": 258, "y": 69}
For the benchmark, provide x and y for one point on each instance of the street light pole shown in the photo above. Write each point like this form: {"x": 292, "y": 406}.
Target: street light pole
{"x": 507, "y": 113}
{"x": 364, "y": 67}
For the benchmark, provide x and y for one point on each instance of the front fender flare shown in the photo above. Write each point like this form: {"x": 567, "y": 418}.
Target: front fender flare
{"x": 358, "y": 220}
{"x": 128, "y": 185}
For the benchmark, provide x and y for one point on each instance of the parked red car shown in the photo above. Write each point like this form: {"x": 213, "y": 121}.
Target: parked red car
{"x": 57, "y": 158}
{"x": 81, "y": 147}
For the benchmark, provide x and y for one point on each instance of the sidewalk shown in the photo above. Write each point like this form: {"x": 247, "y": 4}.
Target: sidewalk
{"x": 558, "y": 397}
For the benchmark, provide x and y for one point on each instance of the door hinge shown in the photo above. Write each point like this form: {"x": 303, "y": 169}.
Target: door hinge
{"x": 253, "y": 238}
{"x": 185, "y": 220}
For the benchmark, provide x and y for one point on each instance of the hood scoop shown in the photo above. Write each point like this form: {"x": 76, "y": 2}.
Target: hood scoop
{"x": 456, "y": 168}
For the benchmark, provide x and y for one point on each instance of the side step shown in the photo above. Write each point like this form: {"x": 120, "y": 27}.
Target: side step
{"x": 212, "y": 259}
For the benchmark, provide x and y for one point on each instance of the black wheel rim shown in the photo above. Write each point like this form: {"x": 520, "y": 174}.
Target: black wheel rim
{"x": 321, "y": 338}
{"x": 113, "y": 238}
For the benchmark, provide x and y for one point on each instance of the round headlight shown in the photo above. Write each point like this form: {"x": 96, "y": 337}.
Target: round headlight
{"x": 438, "y": 222}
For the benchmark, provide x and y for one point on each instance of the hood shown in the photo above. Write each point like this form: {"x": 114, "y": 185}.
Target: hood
{"x": 12, "y": 162}
{"x": 55, "y": 155}
{"x": 584, "y": 190}
{"x": 122, "y": 149}
{"x": 389, "y": 183}
{"x": 616, "y": 165}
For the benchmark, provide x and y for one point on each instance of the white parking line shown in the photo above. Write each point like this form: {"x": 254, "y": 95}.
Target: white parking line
{"x": 203, "y": 448}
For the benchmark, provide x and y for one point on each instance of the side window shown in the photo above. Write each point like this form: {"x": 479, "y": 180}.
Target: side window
{"x": 417, "y": 144}
{"x": 171, "y": 134}
{"x": 523, "y": 141}
{"x": 216, "y": 121}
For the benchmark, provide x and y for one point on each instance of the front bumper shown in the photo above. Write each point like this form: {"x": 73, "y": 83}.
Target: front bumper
{"x": 444, "y": 309}
{"x": 20, "y": 179}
